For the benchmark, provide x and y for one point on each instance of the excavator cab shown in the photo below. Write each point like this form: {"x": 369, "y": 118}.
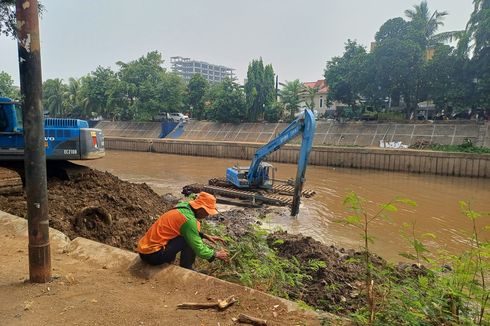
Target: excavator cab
{"x": 10, "y": 116}
{"x": 238, "y": 176}
{"x": 11, "y": 136}
{"x": 263, "y": 171}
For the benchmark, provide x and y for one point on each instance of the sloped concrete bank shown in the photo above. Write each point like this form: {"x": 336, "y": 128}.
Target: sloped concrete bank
{"x": 327, "y": 133}
{"x": 416, "y": 161}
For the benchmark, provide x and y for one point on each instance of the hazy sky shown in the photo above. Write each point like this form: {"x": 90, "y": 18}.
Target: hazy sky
{"x": 297, "y": 37}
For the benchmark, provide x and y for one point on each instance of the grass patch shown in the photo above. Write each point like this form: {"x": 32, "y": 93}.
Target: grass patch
{"x": 466, "y": 147}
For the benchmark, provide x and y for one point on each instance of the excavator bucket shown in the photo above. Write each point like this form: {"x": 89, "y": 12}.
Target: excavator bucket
{"x": 306, "y": 144}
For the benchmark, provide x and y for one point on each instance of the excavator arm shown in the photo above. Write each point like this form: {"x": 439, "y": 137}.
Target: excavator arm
{"x": 309, "y": 127}
{"x": 305, "y": 125}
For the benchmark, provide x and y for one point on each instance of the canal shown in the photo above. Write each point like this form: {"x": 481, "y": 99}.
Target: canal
{"x": 437, "y": 198}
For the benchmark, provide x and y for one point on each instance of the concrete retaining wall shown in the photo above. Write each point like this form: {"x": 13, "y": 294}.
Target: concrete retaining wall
{"x": 130, "y": 129}
{"x": 328, "y": 133}
{"x": 442, "y": 163}
{"x": 338, "y": 134}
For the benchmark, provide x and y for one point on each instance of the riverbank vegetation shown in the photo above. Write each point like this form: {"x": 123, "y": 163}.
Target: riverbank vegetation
{"x": 429, "y": 289}
{"x": 466, "y": 147}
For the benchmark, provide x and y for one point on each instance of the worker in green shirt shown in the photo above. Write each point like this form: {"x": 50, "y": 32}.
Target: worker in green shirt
{"x": 178, "y": 230}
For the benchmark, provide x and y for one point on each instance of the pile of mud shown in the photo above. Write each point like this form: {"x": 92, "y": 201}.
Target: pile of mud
{"x": 337, "y": 286}
{"x": 97, "y": 206}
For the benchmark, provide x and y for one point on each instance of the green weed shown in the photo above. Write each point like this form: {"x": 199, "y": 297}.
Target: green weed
{"x": 253, "y": 263}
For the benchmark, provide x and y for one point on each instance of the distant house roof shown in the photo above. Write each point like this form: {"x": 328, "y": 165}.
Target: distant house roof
{"x": 322, "y": 86}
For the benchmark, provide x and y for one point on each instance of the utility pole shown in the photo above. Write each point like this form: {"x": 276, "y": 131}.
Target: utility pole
{"x": 29, "y": 47}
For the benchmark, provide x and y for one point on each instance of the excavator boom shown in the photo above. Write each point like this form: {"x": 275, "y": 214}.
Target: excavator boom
{"x": 309, "y": 127}
{"x": 257, "y": 175}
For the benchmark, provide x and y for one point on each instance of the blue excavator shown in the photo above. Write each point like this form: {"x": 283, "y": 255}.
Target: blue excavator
{"x": 64, "y": 139}
{"x": 258, "y": 174}
{"x": 255, "y": 184}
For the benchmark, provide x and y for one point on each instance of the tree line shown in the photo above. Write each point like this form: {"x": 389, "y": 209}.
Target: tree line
{"x": 142, "y": 88}
{"x": 410, "y": 63}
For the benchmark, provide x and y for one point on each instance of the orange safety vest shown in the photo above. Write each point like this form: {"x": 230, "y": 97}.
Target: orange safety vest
{"x": 165, "y": 229}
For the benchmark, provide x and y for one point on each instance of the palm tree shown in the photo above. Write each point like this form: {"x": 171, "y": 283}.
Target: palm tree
{"x": 73, "y": 96}
{"x": 291, "y": 96}
{"x": 309, "y": 93}
{"x": 477, "y": 29}
{"x": 428, "y": 23}
{"x": 54, "y": 93}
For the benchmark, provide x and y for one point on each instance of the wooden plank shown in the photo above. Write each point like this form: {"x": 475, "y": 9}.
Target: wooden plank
{"x": 392, "y": 159}
{"x": 416, "y": 163}
{"x": 475, "y": 169}
{"x": 405, "y": 161}
{"x": 10, "y": 182}
{"x": 397, "y": 163}
{"x": 378, "y": 161}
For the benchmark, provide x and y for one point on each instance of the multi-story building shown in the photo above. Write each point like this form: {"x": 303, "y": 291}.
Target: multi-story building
{"x": 186, "y": 67}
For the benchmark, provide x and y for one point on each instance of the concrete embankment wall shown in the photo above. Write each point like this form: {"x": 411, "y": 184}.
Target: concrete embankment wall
{"x": 346, "y": 134}
{"x": 328, "y": 133}
{"x": 130, "y": 129}
{"x": 442, "y": 163}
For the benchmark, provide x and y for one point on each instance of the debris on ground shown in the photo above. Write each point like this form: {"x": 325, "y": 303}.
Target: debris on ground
{"x": 220, "y": 305}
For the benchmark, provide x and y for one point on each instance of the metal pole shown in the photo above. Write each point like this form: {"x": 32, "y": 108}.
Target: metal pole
{"x": 34, "y": 153}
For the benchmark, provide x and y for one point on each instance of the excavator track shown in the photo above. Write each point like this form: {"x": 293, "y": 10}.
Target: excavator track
{"x": 277, "y": 188}
{"x": 279, "y": 195}
{"x": 12, "y": 174}
{"x": 10, "y": 181}
{"x": 248, "y": 195}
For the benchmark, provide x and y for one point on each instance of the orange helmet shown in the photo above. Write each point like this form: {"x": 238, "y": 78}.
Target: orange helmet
{"x": 206, "y": 201}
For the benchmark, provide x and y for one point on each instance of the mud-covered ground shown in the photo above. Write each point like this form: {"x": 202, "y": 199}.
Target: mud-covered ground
{"x": 100, "y": 206}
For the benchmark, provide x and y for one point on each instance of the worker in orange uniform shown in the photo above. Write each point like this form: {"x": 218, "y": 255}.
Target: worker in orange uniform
{"x": 178, "y": 230}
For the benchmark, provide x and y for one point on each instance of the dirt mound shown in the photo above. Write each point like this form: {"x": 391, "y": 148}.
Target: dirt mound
{"x": 98, "y": 206}
{"x": 335, "y": 279}
{"x": 337, "y": 282}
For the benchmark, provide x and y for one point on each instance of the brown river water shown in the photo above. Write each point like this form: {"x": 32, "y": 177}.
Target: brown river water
{"x": 437, "y": 198}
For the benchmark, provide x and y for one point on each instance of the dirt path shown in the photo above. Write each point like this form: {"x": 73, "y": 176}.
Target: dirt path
{"x": 88, "y": 292}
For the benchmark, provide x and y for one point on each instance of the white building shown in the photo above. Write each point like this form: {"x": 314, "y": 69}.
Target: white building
{"x": 319, "y": 99}
{"x": 186, "y": 67}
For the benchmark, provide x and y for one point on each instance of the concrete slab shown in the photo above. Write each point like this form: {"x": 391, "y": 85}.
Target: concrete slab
{"x": 17, "y": 227}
